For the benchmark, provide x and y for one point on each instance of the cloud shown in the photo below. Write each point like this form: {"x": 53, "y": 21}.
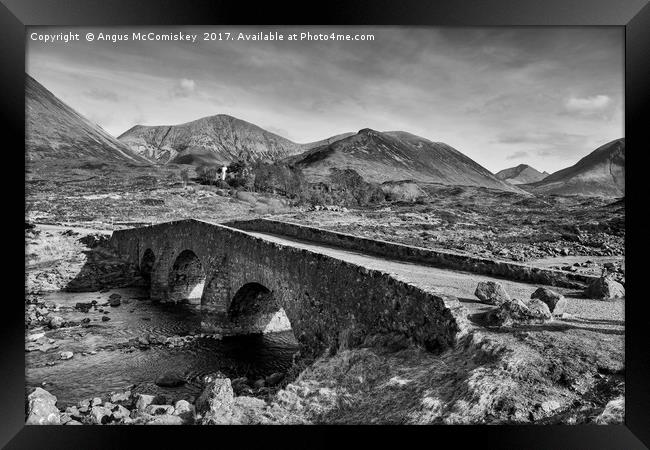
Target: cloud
{"x": 517, "y": 155}
{"x": 588, "y": 105}
{"x": 183, "y": 88}
{"x": 102, "y": 94}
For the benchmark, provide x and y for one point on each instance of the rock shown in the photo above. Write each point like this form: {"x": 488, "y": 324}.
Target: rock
{"x": 73, "y": 412}
{"x": 259, "y": 383}
{"x": 120, "y": 397}
{"x": 142, "y": 401}
{"x": 217, "y": 397}
{"x": 119, "y": 412}
{"x": 166, "y": 419}
{"x": 556, "y": 302}
{"x": 96, "y": 402}
{"x": 240, "y": 385}
{"x": 105, "y": 318}
{"x": 74, "y": 422}
{"x": 66, "y": 355}
{"x": 184, "y": 410}
{"x": 100, "y": 415}
{"x": 144, "y": 341}
{"x": 156, "y": 410}
{"x": 115, "y": 301}
{"x": 41, "y": 409}
{"x": 85, "y": 307}
{"x": 274, "y": 379}
{"x": 491, "y": 292}
{"x": 170, "y": 379}
{"x": 614, "y": 412}
{"x": 605, "y": 288}
{"x": 516, "y": 312}
{"x": 114, "y": 296}
{"x": 56, "y": 322}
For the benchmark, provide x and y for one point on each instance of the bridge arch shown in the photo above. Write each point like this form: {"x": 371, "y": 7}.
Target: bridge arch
{"x": 255, "y": 309}
{"x": 186, "y": 278}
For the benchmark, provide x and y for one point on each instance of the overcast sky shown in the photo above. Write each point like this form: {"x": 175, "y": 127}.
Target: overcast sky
{"x": 502, "y": 96}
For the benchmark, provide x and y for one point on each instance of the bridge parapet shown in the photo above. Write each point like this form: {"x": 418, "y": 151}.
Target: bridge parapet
{"x": 330, "y": 303}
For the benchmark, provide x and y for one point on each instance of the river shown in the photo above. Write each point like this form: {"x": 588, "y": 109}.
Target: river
{"x": 99, "y": 366}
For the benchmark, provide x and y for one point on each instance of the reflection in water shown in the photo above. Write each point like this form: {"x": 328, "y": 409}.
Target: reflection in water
{"x": 90, "y": 375}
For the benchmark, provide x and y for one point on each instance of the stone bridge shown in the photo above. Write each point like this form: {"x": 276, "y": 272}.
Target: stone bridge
{"x": 248, "y": 284}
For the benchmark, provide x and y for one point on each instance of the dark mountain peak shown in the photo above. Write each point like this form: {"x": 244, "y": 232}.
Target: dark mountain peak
{"x": 521, "y": 174}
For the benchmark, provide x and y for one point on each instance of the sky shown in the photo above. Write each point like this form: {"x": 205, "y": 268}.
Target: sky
{"x": 543, "y": 96}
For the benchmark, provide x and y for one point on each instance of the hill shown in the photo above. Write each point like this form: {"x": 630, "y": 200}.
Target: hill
{"x": 56, "y": 132}
{"x": 393, "y": 156}
{"x": 600, "y": 173}
{"x": 521, "y": 174}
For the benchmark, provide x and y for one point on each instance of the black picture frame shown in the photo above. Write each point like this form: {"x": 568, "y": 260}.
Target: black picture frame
{"x": 633, "y": 15}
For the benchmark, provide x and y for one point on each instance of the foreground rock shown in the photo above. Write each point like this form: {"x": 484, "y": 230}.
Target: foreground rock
{"x": 491, "y": 292}
{"x": 556, "y": 302}
{"x": 605, "y": 288}
{"x": 614, "y": 412}
{"x": 516, "y": 312}
{"x": 42, "y": 408}
{"x": 215, "y": 404}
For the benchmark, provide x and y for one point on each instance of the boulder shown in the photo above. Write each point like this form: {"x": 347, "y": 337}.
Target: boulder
{"x": 41, "y": 408}
{"x": 100, "y": 415}
{"x": 605, "y": 288}
{"x": 66, "y": 355}
{"x": 105, "y": 318}
{"x": 516, "y": 312}
{"x": 142, "y": 401}
{"x": 217, "y": 398}
{"x": 170, "y": 379}
{"x": 491, "y": 292}
{"x": 56, "y": 322}
{"x": 115, "y": 300}
{"x": 556, "y": 302}
{"x": 184, "y": 410}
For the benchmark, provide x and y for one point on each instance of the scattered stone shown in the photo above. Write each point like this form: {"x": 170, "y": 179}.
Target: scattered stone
{"x": 84, "y": 307}
{"x": 42, "y": 408}
{"x": 491, "y": 292}
{"x": 105, "y": 318}
{"x": 170, "y": 379}
{"x": 556, "y": 302}
{"x": 96, "y": 401}
{"x": 115, "y": 300}
{"x": 66, "y": 355}
{"x": 605, "y": 288}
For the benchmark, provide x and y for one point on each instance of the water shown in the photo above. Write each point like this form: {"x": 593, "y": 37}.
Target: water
{"x": 115, "y": 369}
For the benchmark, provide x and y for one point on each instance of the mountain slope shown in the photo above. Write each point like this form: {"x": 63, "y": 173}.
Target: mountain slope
{"x": 215, "y": 139}
{"x": 396, "y": 155}
{"x": 601, "y": 173}
{"x": 521, "y": 174}
{"x": 54, "y": 131}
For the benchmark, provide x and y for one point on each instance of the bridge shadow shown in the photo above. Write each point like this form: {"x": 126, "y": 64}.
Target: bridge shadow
{"x": 103, "y": 269}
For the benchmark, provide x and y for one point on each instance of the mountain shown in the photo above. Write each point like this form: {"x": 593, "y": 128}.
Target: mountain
{"x": 396, "y": 155}
{"x": 600, "y": 173}
{"x": 521, "y": 174}
{"x": 215, "y": 139}
{"x": 54, "y": 131}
